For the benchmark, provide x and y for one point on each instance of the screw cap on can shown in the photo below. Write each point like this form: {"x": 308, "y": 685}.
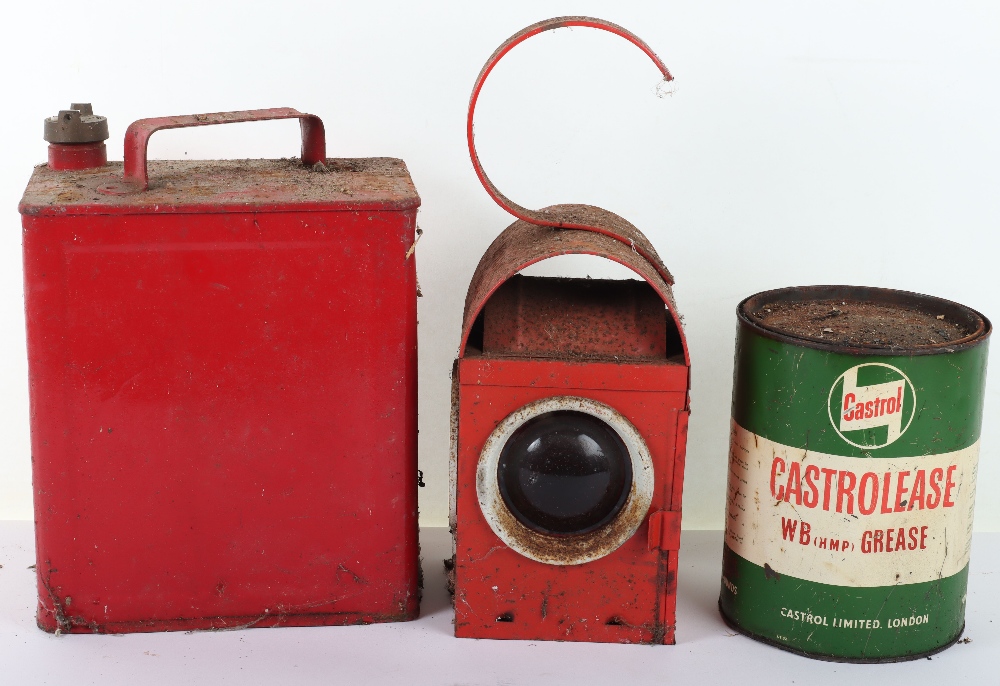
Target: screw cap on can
{"x": 78, "y": 124}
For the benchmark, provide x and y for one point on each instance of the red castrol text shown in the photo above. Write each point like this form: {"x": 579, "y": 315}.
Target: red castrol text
{"x": 865, "y": 493}
{"x": 877, "y": 407}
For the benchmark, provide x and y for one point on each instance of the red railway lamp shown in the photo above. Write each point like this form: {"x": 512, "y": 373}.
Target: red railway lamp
{"x": 570, "y": 413}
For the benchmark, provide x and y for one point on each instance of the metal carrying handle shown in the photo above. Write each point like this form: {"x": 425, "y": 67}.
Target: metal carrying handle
{"x": 137, "y": 136}
{"x": 534, "y": 216}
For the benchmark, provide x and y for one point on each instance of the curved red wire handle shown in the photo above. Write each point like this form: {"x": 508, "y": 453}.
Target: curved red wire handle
{"x": 137, "y": 136}
{"x": 518, "y": 211}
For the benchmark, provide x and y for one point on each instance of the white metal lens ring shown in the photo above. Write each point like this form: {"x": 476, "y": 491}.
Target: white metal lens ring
{"x": 568, "y": 549}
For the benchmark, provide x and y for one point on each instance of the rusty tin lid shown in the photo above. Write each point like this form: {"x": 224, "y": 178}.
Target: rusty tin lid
{"x": 186, "y": 187}
{"x": 971, "y": 327}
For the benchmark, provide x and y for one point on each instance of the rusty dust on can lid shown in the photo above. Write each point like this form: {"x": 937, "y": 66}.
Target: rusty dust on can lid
{"x": 854, "y": 447}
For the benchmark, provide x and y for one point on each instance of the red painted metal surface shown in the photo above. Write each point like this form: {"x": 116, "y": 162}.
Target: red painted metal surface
{"x": 138, "y": 133}
{"x": 633, "y": 589}
{"x": 620, "y": 598}
{"x": 618, "y": 350}
{"x": 629, "y": 595}
{"x": 583, "y": 217}
{"x": 588, "y": 319}
{"x": 522, "y": 244}
{"x": 74, "y": 156}
{"x": 223, "y": 394}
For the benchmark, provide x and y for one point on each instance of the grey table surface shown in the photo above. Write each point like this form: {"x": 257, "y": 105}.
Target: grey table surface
{"x": 426, "y": 652}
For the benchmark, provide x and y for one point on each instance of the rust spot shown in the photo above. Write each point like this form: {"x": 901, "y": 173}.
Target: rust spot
{"x": 565, "y": 549}
{"x": 449, "y": 575}
{"x": 570, "y": 549}
{"x": 588, "y": 318}
{"x": 523, "y": 243}
{"x": 545, "y": 599}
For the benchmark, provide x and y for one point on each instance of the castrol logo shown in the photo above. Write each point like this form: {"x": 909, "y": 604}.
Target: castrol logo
{"x": 871, "y": 405}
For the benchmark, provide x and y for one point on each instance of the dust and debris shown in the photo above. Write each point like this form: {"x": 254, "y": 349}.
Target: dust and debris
{"x": 413, "y": 246}
{"x": 449, "y": 574}
{"x": 857, "y": 322}
{"x": 665, "y": 89}
{"x": 242, "y": 184}
{"x": 535, "y": 317}
{"x": 64, "y": 622}
{"x": 420, "y": 576}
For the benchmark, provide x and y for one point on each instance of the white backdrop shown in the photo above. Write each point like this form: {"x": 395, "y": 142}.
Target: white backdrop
{"x": 806, "y": 143}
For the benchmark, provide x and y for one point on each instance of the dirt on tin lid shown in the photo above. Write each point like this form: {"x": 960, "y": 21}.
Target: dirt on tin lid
{"x": 849, "y": 322}
{"x": 226, "y": 186}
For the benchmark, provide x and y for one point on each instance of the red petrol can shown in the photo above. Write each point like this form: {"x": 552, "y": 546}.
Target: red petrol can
{"x": 570, "y": 412}
{"x": 222, "y": 361}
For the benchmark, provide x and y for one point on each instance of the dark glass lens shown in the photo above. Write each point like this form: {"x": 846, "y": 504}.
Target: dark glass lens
{"x": 565, "y": 472}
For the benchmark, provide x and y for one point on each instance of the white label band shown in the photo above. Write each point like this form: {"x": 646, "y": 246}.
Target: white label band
{"x": 850, "y": 521}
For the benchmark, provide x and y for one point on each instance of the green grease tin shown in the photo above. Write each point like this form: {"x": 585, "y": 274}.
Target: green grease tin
{"x": 852, "y": 471}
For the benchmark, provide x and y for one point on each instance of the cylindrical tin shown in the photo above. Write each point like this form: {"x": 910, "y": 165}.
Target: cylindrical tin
{"x": 852, "y": 475}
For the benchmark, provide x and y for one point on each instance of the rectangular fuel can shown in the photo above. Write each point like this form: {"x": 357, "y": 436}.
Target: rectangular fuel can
{"x": 222, "y": 364}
